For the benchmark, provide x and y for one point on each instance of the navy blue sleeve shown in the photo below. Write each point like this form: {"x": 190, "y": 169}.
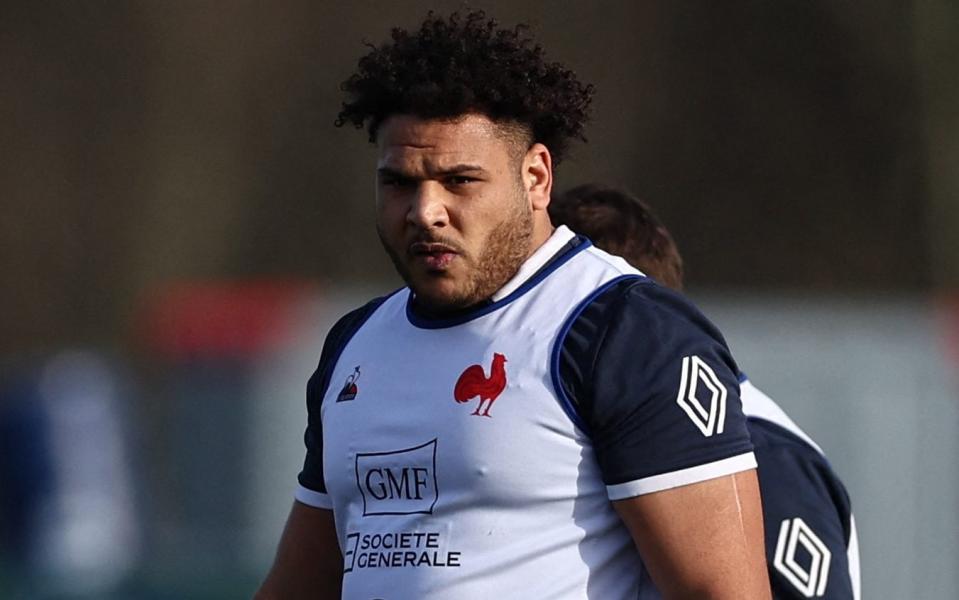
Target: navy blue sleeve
{"x": 807, "y": 515}
{"x": 311, "y": 477}
{"x": 652, "y": 382}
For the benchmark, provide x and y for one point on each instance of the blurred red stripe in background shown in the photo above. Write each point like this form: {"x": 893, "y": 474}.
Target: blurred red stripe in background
{"x": 221, "y": 319}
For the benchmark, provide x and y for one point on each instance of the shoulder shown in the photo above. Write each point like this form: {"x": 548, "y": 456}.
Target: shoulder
{"x": 759, "y": 407}
{"x": 641, "y": 299}
{"x": 651, "y": 382}
{"x": 792, "y": 466}
{"x": 337, "y": 338}
{"x": 789, "y": 462}
{"x": 798, "y": 481}
{"x": 634, "y": 317}
{"x": 635, "y": 341}
{"x": 777, "y": 442}
{"x": 346, "y": 325}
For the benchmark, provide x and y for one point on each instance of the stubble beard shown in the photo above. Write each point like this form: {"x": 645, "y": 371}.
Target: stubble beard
{"x": 505, "y": 250}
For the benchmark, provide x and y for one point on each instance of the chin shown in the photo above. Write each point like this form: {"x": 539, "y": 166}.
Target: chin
{"x": 440, "y": 295}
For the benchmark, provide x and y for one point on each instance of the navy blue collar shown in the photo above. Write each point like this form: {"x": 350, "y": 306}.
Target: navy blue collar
{"x": 563, "y": 255}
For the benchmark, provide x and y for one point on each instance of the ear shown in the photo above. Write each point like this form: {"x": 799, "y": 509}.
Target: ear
{"x": 538, "y": 176}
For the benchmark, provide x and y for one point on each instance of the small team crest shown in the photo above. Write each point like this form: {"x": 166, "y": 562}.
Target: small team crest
{"x": 349, "y": 390}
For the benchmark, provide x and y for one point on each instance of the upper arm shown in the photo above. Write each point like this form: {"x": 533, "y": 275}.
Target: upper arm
{"x": 657, "y": 391}
{"x": 702, "y": 540}
{"x": 308, "y": 563}
{"x": 810, "y": 536}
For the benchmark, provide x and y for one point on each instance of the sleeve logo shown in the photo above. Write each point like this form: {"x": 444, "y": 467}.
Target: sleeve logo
{"x": 698, "y": 383}
{"x": 802, "y": 558}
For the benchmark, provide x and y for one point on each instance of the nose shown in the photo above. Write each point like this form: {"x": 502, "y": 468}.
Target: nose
{"x": 427, "y": 206}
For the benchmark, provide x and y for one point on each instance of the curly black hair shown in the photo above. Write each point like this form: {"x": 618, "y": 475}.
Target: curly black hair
{"x": 455, "y": 66}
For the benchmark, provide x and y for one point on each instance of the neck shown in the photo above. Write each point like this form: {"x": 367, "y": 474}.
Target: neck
{"x": 542, "y": 230}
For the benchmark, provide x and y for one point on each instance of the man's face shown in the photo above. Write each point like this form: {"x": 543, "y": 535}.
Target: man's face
{"x": 452, "y": 209}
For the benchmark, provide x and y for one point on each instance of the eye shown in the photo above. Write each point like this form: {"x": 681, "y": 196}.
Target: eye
{"x": 395, "y": 181}
{"x": 460, "y": 180}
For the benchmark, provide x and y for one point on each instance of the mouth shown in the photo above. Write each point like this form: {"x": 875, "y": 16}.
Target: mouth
{"x": 433, "y": 256}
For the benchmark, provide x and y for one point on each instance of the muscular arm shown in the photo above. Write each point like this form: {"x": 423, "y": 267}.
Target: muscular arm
{"x": 703, "y": 540}
{"x": 308, "y": 563}
{"x": 803, "y": 499}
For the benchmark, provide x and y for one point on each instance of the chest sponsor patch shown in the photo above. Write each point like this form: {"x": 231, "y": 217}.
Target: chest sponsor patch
{"x": 391, "y": 550}
{"x": 400, "y": 482}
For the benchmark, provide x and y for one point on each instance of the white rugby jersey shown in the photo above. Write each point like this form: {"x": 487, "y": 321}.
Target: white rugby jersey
{"x": 476, "y": 457}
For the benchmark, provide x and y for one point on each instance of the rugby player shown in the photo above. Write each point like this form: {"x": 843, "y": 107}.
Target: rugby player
{"x": 530, "y": 417}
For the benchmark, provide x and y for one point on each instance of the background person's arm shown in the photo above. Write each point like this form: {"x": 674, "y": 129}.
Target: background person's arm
{"x": 703, "y": 540}
{"x": 811, "y": 543}
{"x": 308, "y": 563}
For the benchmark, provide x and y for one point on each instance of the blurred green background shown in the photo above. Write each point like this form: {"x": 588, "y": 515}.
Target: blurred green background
{"x": 180, "y": 222}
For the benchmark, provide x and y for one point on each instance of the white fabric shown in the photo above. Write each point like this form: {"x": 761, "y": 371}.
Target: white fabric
{"x": 759, "y": 405}
{"x": 853, "y": 557}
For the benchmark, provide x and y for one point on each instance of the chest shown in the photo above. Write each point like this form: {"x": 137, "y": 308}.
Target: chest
{"x": 414, "y": 419}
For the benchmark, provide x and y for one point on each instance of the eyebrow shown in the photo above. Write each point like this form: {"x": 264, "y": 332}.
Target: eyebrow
{"x": 460, "y": 168}
{"x": 453, "y": 170}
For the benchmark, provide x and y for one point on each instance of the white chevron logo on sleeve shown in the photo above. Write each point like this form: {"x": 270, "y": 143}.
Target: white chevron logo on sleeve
{"x": 709, "y": 419}
{"x": 794, "y": 533}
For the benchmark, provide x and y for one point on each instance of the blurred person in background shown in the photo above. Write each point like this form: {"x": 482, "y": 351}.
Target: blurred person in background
{"x": 68, "y": 523}
{"x": 494, "y": 429}
{"x": 811, "y": 544}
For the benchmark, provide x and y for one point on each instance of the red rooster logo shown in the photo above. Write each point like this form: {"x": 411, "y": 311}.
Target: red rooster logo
{"x": 473, "y": 382}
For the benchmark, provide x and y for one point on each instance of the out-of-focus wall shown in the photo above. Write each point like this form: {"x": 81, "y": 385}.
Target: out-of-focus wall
{"x": 937, "y": 49}
{"x": 151, "y": 140}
